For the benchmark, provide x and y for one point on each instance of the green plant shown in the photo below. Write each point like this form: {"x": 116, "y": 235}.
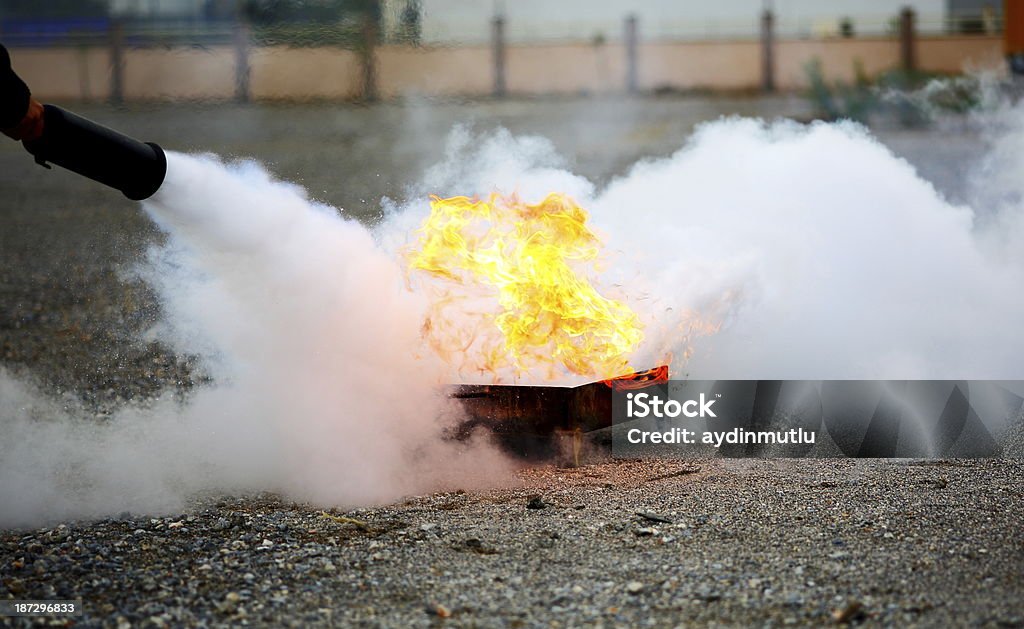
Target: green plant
{"x": 839, "y": 100}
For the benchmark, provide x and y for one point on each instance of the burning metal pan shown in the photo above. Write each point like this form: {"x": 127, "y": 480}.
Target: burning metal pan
{"x": 534, "y": 421}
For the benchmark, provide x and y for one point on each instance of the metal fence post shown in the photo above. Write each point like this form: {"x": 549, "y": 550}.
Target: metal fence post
{"x": 908, "y": 58}
{"x": 242, "y": 35}
{"x": 369, "y": 58}
{"x": 631, "y": 54}
{"x": 1013, "y": 36}
{"x": 767, "y": 51}
{"x": 116, "y": 62}
{"x": 498, "y": 55}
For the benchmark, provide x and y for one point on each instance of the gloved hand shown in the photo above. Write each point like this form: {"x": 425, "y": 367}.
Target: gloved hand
{"x": 31, "y": 126}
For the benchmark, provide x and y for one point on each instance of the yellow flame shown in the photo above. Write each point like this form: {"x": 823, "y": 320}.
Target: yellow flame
{"x": 533, "y": 258}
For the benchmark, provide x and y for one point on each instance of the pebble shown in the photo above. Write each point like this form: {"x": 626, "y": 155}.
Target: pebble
{"x": 536, "y": 502}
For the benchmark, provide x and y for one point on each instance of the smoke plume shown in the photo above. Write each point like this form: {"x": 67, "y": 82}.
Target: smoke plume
{"x": 780, "y": 250}
{"x": 756, "y": 251}
{"x": 305, "y": 325}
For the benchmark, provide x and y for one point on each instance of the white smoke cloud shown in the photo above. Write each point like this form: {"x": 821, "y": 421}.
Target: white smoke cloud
{"x": 833, "y": 258}
{"x": 322, "y": 391}
{"x": 820, "y": 253}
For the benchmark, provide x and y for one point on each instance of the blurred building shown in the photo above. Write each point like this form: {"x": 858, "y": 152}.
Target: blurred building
{"x": 187, "y": 9}
{"x": 533, "y": 20}
{"x": 468, "y": 21}
{"x": 974, "y": 16}
{"x": 139, "y": 50}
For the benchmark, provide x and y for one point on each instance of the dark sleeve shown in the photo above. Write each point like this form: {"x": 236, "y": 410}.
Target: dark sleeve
{"x": 13, "y": 93}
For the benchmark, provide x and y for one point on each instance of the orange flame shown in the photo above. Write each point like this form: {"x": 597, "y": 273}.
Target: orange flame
{"x": 639, "y": 379}
{"x": 533, "y": 259}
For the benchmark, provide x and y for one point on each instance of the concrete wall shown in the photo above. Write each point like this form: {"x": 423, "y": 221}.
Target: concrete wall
{"x": 565, "y": 69}
{"x": 954, "y": 54}
{"x": 281, "y": 73}
{"x": 64, "y": 73}
{"x": 189, "y": 73}
{"x": 434, "y": 71}
{"x": 688, "y": 65}
{"x": 334, "y": 73}
{"x": 838, "y": 58}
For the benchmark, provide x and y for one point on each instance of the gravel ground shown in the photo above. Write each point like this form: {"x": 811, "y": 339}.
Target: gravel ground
{"x": 650, "y": 543}
{"x": 730, "y": 542}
